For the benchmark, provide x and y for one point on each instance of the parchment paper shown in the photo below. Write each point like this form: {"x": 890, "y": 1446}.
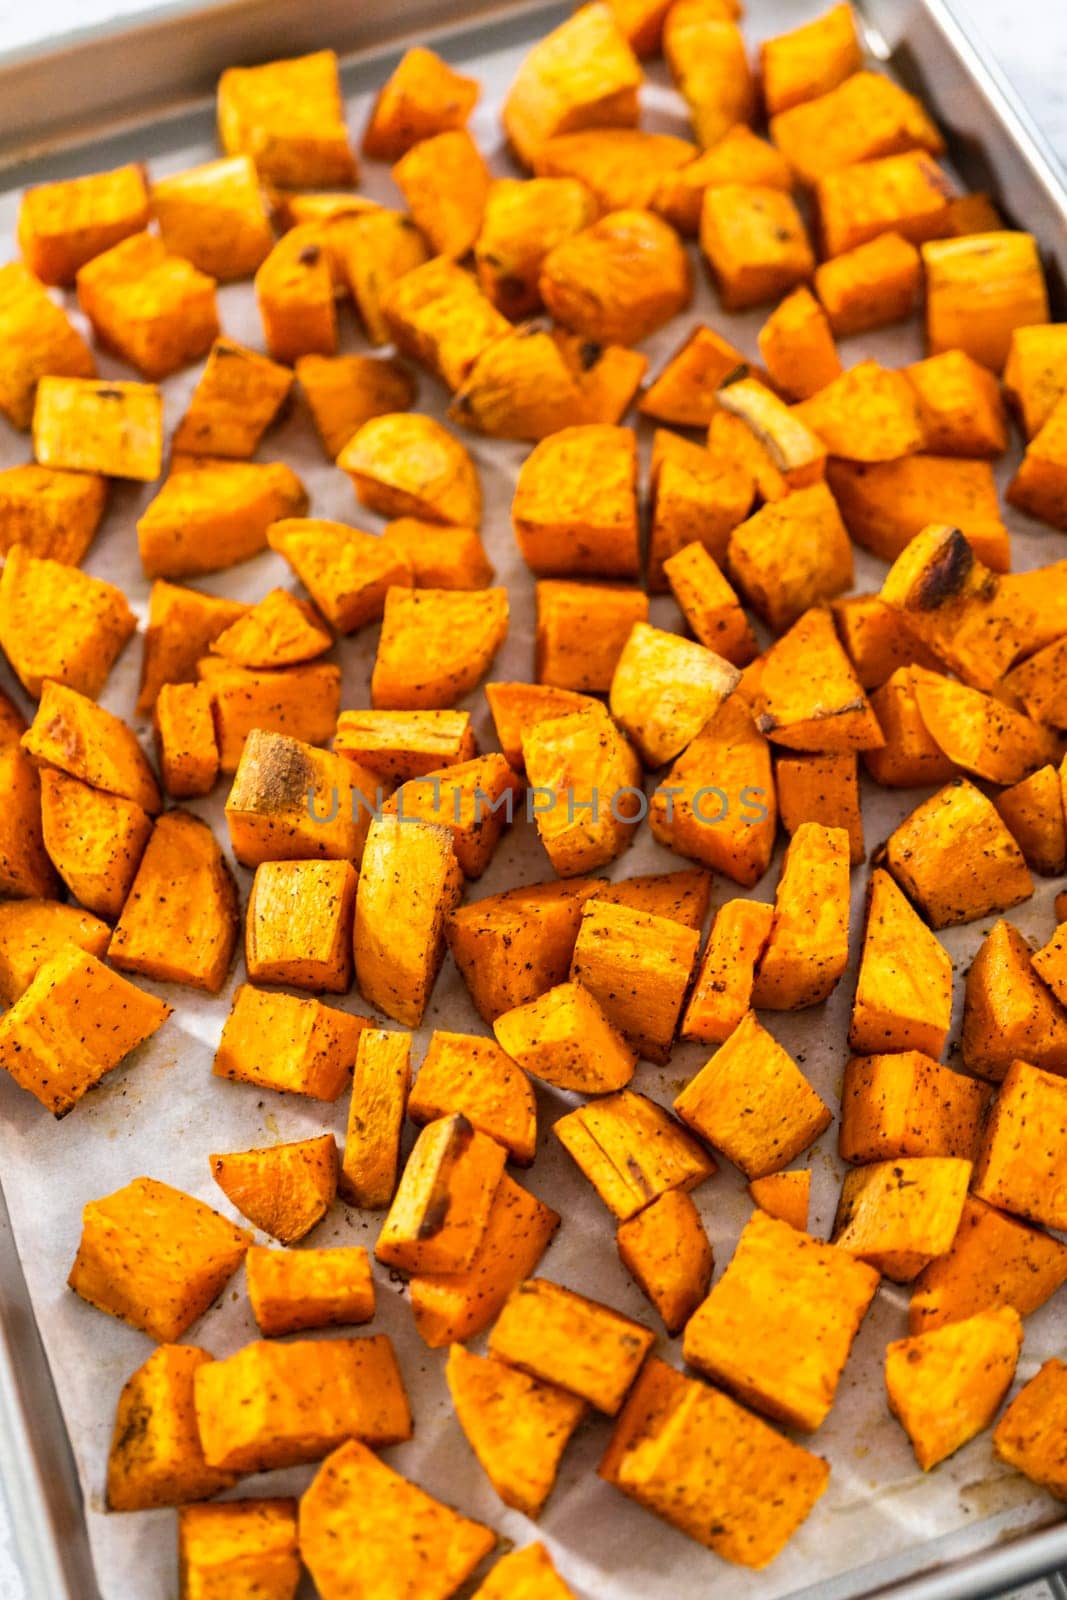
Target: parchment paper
{"x": 162, "y": 1113}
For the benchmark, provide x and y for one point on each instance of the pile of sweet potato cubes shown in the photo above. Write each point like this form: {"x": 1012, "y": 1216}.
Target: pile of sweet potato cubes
{"x": 524, "y": 296}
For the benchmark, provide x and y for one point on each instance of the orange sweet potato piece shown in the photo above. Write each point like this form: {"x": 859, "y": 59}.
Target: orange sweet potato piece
{"x": 784, "y": 1195}
{"x": 904, "y": 987}
{"x": 435, "y": 645}
{"x": 810, "y": 60}
{"x": 398, "y": 745}
{"x": 180, "y": 921}
{"x": 59, "y": 624}
{"x": 409, "y": 881}
{"x": 293, "y": 1045}
{"x": 664, "y": 1247}
{"x": 955, "y": 859}
{"x": 440, "y": 1211}
{"x": 423, "y": 96}
{"x": 298, "y": 927}
{"x": 797, "y": 345}
{"x": 63, "y": 225}
{"x": 95, "y": 840}
{"x": 582, "y": 74}
{"x": 564, "y": 1038}
{"x": 979, "y": 289}
{"x": 638, "y": 966}
{"x": 292, "y": 1290}
{"x": 906, "y": 1104}
{"x": 156, "y": 310}
{"x": 899, "y": 1215}
{"x": 1008, "y": 1013}
{"x": 581, "y": 631}
{"x": 243, "y": 1542}
{"x": 632, "y": 1151}
{"x": 561, "y": 1337}
{"x": 947, "y": 1385}
{"x": 155, "y": 1457}
{"x": 33, "y": 931}
{"x": 790, "y": 554}
{"x": 755, "y": 243}
{"x": 463, "y": 1073}
{"x": 185, "y": 739}
{"x": 284, "y": 1189}
{"x": 380, "y": 1085}
{"x": 994, "y": 1260}
{"x": 52, "y": 513}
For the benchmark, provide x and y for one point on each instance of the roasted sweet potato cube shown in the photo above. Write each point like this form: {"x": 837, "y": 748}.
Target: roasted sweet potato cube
{"x": 289, "y": 117}
{"x": 181, "y": 919}
{"x": 464, "y": 1073}
{"x": 904, "y": 988}
{"x": 665, "y": 1249}
{"x": 347, "y": 572}
{"x": 664, "y": 689}
{"x": 437, "y": 314}
{"x": 899, "y": 1215}
{"x": 632, "y": 1151}
{"x": 475, "y": 801}
{"x": 796, "y": 451}
{"x": 994, "y": 1260}
{"x": 155, "y": 1457}
{"x": 717, "y": 803}
{"x": 564, "y": 1338}
{"x": 63, "y": 225}
{"x": 91, "y": 426}
{"x": 185, "y": 739}
{"x": 685, "y": 392}
{"x": 790, "y": 555}
{"x": 38, "y": 339}
{"x": 517, "y": 707}
{"x": 876, "y": 638}
{"x": 213, "y": 215}
{"x": 755, "y": 242}
{"x": 344, "y": 392}
{"x": 960, "y": 405}
{"x": 955, "y": 859}
{"x": 279, "y": 631}
{"x": 25, "y": 867}
{"x": 866, "y": 116}
{"x": 869, "y": 413}
{"x": 240, "y": 1546}
{"x": 182, "y": 624}
{"x": 298, "y": 928}
{"x": 212, "y": 514}
{"x": 364, "y": 1526}
{"x": 1029, "y": 1436}
{"x": 564, "y": 1038}
{"x": 977, "y": 732}
{"x": 946, "y": 1386}
{"x": 973, "y": 213}
{"x": 739, "y": 156}
{"x": 410, "y": 880}
{"x": 585, "y": 778}
{"x": 237, "y": 398}
{"x": 397, "y": 745}
{"x": 682, "y": 897}
{"x": 517, "y": 1426}
{"x": 422, "y": 97}
{"x": 284, "y": 1189}
{"x": 700, "y": 498}
{"x": 521, "y": 223}
{"x": 797, "y": 345}
{"x": 514, "y": 946}
{"x": 906, "y": 1104}
{"x": 1033, "y": 811}
{"x": 807, "y": 948}
{"x": 277, "y": 1041}
{"x": 885, "y": 504}
{"x": 293, "y": 1290}
{"x": 33, "y": 931}
{"x": 752, "y": 1102}
{"x": 575, "y": 505}
{"x": 51, "y": 513}
{"x": 870, "y": 286}
{"x": 440, "y": 1211}
{"x": 785, "y": 1195}
{"x": 906, "y": 194}
{"x": 1008, "y": 1013}
{"x": 582, "y": 74}
{"x": 156, "y": 310}
{"x": 637, "y": 966}
{"x": 451, "y": 1307}
{"x": 300, "y": 702}
{"x": 619, "y": 279}
{"x": 692, "y": 1456}
{"x": 1034, "y": 373}
{"x": 79, "y": 737}
{"x": 94, "y": 840}
{"x": 295, "y": 294}
{"x": 521, "y": 386}
{"x": 155, "y": 1257}
{"x": 1020, "y": 1163}
{"x": 708, "y": 60}
{"x": 825, "y": 789}
{"x": 777, "y": 1328}
{"x": 59, "y": 624}
{"x": 709, "y": 604}
{"x": 372, "y": 251}
{"x": 1039, "y": 487}
{"x": 810, "y": 60}
{"x": 581, "y": 631}
{"x": 279, "y": 1405}
{"x": 380, "y": 1086}
{"x": 291, "y": 802}
{"x": 622, "y": 168}
{"x": 406, "y": 465}
{"x": 526, "y": 1574}
{"x": 722, "y": 992}
{"x": 910, "y": 756}
{"x": 445, "y": 181}
{"x": 979, "y": 289}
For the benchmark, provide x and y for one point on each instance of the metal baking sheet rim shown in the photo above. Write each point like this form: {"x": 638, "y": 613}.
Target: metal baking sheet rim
{"x": 992, "y": 140}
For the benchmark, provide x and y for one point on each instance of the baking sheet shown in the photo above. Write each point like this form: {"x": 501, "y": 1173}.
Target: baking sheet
{"x": 162, "y": 1113}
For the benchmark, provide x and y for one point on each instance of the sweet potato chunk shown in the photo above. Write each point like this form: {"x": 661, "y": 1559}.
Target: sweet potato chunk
{"x": 1033, "y": 373}
{"x": 89, "y": 743}
{"x": 994, "y": 1260}
{"x": 406, "y": 465}
{"x": 906, "y": 194}
{"x": 977, "y": 732}
{"x": 906, "y": 1104}
{"x": 708, "y": 61}
{"x": 784, "y": 1195}
{"x": 475, "y": 801}
{"x": 739, "y": 156}
{"x": 694, "y": 1457}
{"x": 435, "y": 645}
{"x": 564, "y": 1038}
{"x": 582, "y": 74}
{"x": 409, "y": 882}
{"x": 155, "y": 1457}
{"x": 347, "y": 572}
{"x": 960, "y": 404}
{"x": 955, "y": 859}
{"x": 380, "y": 1087}
{"x": 279, "y": 1405}
{"x": 910, "y": 756}
{"x": 632, "y": 1151}
{"x": 664, "y": 1247}
{"x": 237, "y": 398}
{"x": 904, "y": 989}
{"x": 440, "y": 557}
{"x": 300, "y": 702}
{"x": 94, "y": 840}
{"x": 753, "y": 1103}
{"x": 777, "y": 1328}
{"x": 291, "y": 802}
{"x": 445, "y": 181}
{"x": 665, "y": 689}
{"x": 514, "y": 946}
{"x": 638, "y": 966}
{"x": 277, "y": 1041}
{"x": 423, "y": 96}
{"x": 585, "y": 778}
{"x": 364, "y": 1527}
{"x": 791, "y": 554}
{"x": 213, "y": 215}
{"x": 1040, "y": 484}
{"x": 1020, "y": 1163}
{"x": 619, "y": 279}
{"x": 564, "y": 1338}
{"x": 63, "y": 225}
{"x": 709, "y": 604}
{"x": 155, "y": 1257}
{"x": 298, "y": 928}
{"x": 212, "y": 514}
{"x": 526, "y": 1574}
{"x": 1008, "y": 1013}
{"x": 398, "y": 745}
{"x": 517, "y": 1426}
{"x": 517, "y": 707}
{"x": 1033, "y": 811}
{"x": 182, "y": 625}
{"x": 885, "y": 504}
{"x": 876, "y": 638}
{"x": 810, "y": 60}
{"x": 33, "y": 931}
{"x": 58, "y": 623}
{"x": 795, "y": 450}
{"x": 575, "y": 505}
{"x": 289, "y": 117}
{"x": 870, "y": 413}
{"x": 52, "y": 513}
{"x": 295, "y": 293}
{"x": 180, "y": 922}
{"x": 696, "y": 495}
{"x": 1029, "y": 1436}
{"x": 463, "y": 1073}
{"x": 686, "y": 391}
{"x": 279, "y": 631}
{"x": 112, "y": 428}
{"x": 293, "y": 1290}
{"x": 824, "y": 789}
{"x": 454, "y": 1306}
{"x": 622, "y": 168}
{"x": 947, "y": 1385}
{"x": 156, "y": 310}
{"x": 899, "y": 1215}
{"x": 755, "y": 242}
{"x": 344, "y": 392}
{"x": 37, "y": 339}
{"x": 722, "y": 992}
{"x": 441, "y": 1207}
{"x": 285, "y": 1189}
{"x": 521, "y": 223}
{"x": 437, "y": 314}
{"x": 979, "y": 289}
{"x": 866, "y": 116}
{"x": 185, "y": 739}
{"x": 807, "y": 948}
{"x": 797, "y": 345}
{"x": 243, "y": 1545}
{"x": 581, "y": 631}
